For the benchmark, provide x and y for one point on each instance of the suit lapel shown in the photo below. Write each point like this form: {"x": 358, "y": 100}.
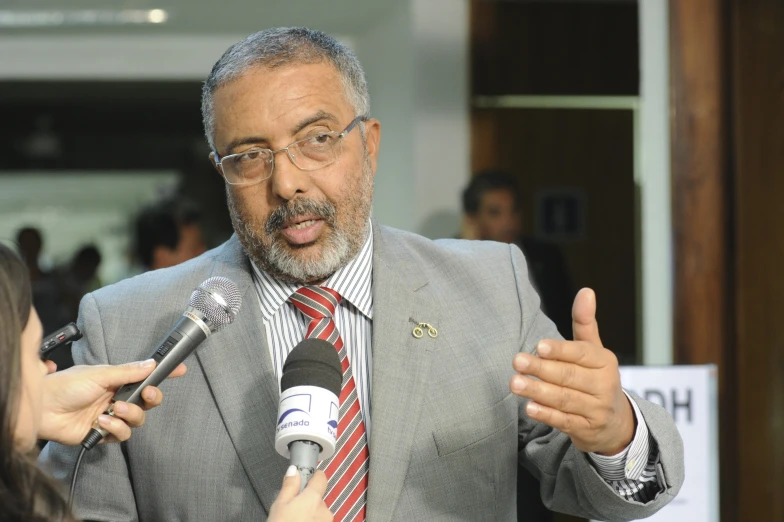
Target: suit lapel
{"x": 401, "y": 363}
{"x": 240, "y": 374}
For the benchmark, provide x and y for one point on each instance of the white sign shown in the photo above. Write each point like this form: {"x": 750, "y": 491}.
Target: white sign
{"x": 690, "y": 396}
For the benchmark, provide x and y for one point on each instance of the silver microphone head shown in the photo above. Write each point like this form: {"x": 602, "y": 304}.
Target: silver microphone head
{"x": 218, "y": 300}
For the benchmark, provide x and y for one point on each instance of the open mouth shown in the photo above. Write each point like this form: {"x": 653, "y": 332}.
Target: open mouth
{"x": 303, "y": 224}
{"x": 303, "y": 231}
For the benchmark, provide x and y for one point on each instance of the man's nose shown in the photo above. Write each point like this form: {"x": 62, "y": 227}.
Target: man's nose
{"x": 287, "y": 179}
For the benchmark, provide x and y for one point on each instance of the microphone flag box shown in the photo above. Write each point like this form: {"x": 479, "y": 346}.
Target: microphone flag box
{"x": 307, "y": 413}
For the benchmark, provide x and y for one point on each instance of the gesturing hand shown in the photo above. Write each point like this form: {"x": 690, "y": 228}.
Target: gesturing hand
{"x": 578, "y": 390}
{"x": 74, "y": 398}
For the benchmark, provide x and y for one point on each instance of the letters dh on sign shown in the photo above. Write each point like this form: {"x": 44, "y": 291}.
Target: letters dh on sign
{"x": 690, "y": 396}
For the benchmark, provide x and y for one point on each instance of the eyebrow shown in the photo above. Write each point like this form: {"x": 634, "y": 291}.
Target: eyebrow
{"x": 310, "y": 120}
{"x": 319, "y": 116}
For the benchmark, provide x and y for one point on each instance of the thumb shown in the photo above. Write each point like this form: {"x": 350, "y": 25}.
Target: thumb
{"x": 290, "y": 488}
{"x": 116, "y": 376}
{"x": 317, "y": 483}
{"x": 51, "y": 367}
{"x": 584, "y": 325}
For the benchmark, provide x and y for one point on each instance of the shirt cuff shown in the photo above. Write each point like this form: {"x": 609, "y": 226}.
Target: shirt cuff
{"x": 630, "y": 463}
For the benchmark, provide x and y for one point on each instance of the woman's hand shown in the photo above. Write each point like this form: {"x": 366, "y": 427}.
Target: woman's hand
{"x": 293, "y": 506}
{"x": 74, "y": 398}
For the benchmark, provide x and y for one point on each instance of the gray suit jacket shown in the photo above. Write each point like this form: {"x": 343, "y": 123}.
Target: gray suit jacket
{"x": 447, "y": 434}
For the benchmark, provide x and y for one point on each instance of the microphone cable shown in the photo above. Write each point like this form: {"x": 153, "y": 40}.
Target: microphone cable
{"x": 73, "y": 478}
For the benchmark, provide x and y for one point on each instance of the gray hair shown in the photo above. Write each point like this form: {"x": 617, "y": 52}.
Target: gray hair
{"x": 282, "y": 46}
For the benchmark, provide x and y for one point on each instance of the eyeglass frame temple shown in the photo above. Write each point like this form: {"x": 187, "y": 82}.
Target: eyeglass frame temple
{"x": 351, "y": 125}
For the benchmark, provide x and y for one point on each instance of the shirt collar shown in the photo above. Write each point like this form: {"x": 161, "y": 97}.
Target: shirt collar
{"x": 352, "y": 281}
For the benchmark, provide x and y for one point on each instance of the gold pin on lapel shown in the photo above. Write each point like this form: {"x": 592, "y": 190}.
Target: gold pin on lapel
{"x": 419, "y": 331}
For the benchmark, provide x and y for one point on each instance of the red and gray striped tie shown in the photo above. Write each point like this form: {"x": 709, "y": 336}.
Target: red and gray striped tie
{"x": 347, "y": 469}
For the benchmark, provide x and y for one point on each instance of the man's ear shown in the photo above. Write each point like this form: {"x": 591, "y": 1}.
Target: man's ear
{"x": 373, "y": 140}
{"x": 214, "y": 161}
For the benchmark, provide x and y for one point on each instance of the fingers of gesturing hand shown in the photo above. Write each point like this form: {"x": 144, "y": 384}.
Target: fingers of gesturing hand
{"x": 559, "y": 397}
{"x": 565, "y": 422}
{"x": 555, "y": 372}
{"x": 592, "y": 381}
{"x": 585, "y": 428}
{"x": 582, "y": 353}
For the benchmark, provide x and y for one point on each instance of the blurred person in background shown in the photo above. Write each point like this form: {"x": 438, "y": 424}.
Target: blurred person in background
{"x": 84, "y": 268}
{"x": 168, "y": 233}
{"x": 31, "y": 244}
{"x": 81, "y": 277}
{"x": 74, "y": 281}
{"x": 492, "y": 211}
{"x": 36, "y": 403}
{"x": 46, "y": 286}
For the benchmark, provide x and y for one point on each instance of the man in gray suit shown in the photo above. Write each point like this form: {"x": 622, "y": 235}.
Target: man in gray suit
{"x": 443, "y": 394}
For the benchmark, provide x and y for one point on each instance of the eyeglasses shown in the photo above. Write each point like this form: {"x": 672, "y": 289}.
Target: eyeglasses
{"x": 311, "y": 153}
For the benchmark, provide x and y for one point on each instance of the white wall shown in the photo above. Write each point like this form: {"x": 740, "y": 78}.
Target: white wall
{"x": 442, "y": 119}
{"x": 386, "y": 52}
{"x": 653, "y": 157}
{"x": 417, "y": 65}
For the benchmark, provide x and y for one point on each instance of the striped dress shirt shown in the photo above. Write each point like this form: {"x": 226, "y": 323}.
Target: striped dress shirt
{"x": 286, "y": 326}
{"x": 632, "y": 473}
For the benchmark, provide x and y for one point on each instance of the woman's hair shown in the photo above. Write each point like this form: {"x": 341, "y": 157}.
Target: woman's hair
{"x": 26, "y": 493}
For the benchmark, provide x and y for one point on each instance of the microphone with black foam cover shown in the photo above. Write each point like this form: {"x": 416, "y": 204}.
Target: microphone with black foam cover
{"x": 308, "y": 413}
{"x": 213, "y": 305}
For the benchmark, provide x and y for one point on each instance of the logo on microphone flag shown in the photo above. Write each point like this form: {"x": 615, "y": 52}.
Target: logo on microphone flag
{"x": 307, "y": 413}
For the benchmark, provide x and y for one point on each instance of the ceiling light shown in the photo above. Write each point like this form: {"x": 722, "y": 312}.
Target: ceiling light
{"x": 157, "y": 16}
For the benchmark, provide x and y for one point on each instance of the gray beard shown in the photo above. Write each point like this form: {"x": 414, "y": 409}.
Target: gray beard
{"x": 271, "y": 254}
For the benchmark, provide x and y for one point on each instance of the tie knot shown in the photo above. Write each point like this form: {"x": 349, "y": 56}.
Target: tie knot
{"x": 316, "y": 302}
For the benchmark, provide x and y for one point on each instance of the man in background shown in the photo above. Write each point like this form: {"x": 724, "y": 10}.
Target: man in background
{"x": 168, "y": 233}
{"x": 492, "y": 211}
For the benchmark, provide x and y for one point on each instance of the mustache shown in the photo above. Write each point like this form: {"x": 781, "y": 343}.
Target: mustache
{"x": 293, "y": 209}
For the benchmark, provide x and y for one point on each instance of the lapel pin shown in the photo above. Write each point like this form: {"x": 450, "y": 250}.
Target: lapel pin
{"x": 419, "y": 330}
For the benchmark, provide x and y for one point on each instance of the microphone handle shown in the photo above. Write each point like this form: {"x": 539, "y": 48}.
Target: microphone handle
{"x": 304, "y": 455}
{"x": 178, "y": 344}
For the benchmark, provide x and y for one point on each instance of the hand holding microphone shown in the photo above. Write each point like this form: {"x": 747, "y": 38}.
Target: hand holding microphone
{"x": 73, "y": 398}
{"x": 213, "y": 305}
{"x": 294, "y": 504}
